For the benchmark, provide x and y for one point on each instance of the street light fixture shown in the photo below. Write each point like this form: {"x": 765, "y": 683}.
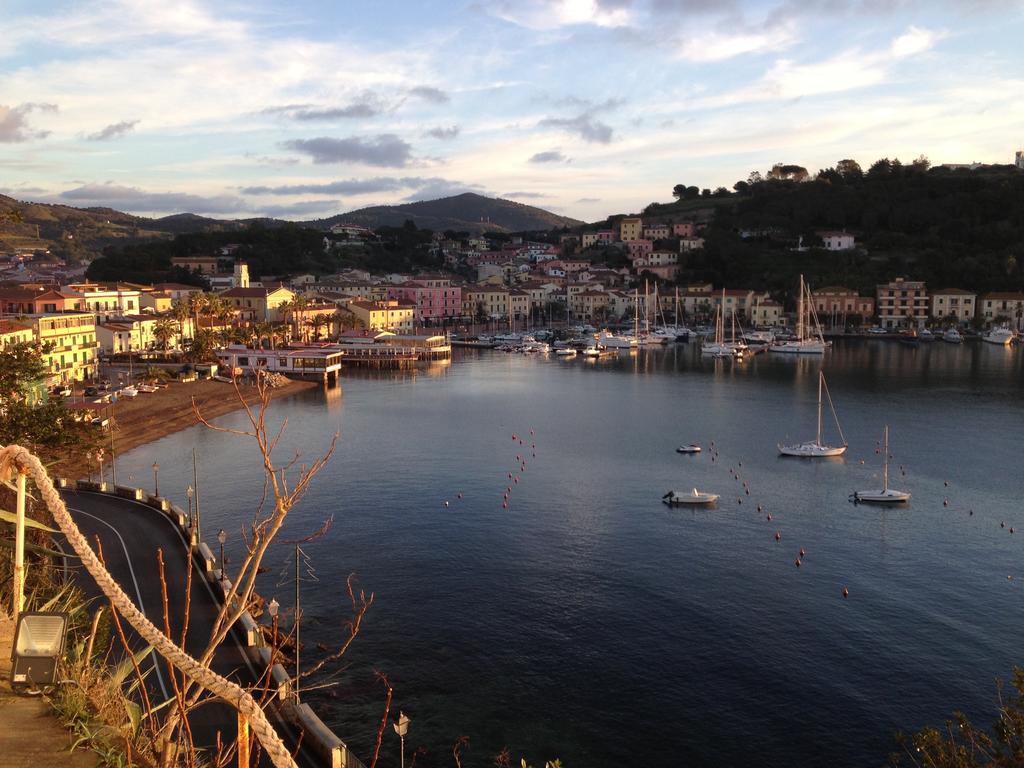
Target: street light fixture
{"x": 188, "y": 492}
{"x": 222, "y": 536}
{"x": 156, "y": 479}
{"x": 38, "y": 643}
{"x": 401, "y": 728}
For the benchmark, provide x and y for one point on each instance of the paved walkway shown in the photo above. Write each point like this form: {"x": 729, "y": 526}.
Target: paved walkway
{"x": 31, "y": 735}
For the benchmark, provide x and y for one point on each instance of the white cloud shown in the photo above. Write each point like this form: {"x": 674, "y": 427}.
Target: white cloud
{"x": 914, "y": 41}
{"x": 551, "y": 14}
{"x": 713, "y": 46}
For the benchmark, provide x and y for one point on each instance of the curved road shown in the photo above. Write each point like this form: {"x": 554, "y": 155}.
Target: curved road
{"x": 131, "y": 533}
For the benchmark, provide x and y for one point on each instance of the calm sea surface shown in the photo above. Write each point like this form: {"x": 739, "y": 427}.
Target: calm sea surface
{"x": 590, "y": 622}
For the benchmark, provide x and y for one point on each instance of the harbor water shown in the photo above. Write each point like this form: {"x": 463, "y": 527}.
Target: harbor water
{"x": 589, "y": 621}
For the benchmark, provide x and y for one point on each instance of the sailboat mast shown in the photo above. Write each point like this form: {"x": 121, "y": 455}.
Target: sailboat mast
{"x": 885, "y": 471}
{"x": 800, "y": 312}
{"x": 821, "y": 377}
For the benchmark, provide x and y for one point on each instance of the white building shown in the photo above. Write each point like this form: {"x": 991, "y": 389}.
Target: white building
{"x": 954, "y": 302}
{"x": 837, "y": 241}
{"x": 1020, "y": 159}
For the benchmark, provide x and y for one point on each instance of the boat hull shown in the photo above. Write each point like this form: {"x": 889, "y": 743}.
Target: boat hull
{"x": 689, "y": 500}
{"x": 812, "y": 451}
{"x": 880, "y": 496}
{"x": 799, "y": 348}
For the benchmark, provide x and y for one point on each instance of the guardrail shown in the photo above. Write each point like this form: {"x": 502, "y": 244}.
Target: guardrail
{"x": 320, "y": 739}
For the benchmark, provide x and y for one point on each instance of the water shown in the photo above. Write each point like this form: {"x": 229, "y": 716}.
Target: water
{"x": 589, "y": 621}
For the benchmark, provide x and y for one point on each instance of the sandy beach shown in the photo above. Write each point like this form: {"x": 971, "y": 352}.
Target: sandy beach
{"x": 152, "y": 415}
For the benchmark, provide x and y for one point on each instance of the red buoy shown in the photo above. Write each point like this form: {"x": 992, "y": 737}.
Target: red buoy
{"x": 798, "y": 562}
{"x": 802, "y": 553}
{"x": 778, "y": 536}
{"x": 846, "y": 592}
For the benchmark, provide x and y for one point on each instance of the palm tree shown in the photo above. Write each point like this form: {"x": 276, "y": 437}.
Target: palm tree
{"x": 317, "y": 322}
{"x": 299, "y": 305}
{"x": 180, "y": 311}
{"x": 164, "y": 330}
{"x": 197, "y": 303}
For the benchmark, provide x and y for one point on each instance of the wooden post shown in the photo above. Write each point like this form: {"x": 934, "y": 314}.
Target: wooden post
{"x": 243, "y": 741}
{"x": 19, "y": 549}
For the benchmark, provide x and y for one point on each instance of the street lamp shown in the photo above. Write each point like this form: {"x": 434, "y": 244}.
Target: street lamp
{"x": 222, "y": 536}
{"x": 156, "y": 479}
{"x": 401, "y": 728}
{"x": 272, "y": 609}
{"x": 188, "y": 492}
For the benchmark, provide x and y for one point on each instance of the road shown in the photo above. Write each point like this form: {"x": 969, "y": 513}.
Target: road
{"x": 131, "y": 534}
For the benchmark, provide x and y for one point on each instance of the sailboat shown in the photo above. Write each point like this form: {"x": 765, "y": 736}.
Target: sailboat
{"x": 814, "y": 449}
{"x": 807, "y": 341}
{"x": 718, "y": 347}
{"x": 884, "y": 495}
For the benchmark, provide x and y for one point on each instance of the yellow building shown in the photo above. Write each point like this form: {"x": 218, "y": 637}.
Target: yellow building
{"x": 494, "y": 301}
{"x": 393, "y": 315}
{"x": 259, "y": 304}
{"x": 68, "y": 341}
{"x": 157, "y": 301}
{"x": 12, "y": 333}
{"x": 631, "y": 228}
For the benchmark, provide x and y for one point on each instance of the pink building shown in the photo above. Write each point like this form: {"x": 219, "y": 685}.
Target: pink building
{"x": 639, "y": 248}
{"x": 434, "y": 297}
{"x": 684, "y": 229}
{"x": 605, "y": 236}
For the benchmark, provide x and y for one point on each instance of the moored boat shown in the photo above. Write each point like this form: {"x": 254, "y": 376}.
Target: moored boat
{"x": 808, "y": 340}
{"x": 885, "y": 494}
{"x": 691, "y": 448}
{"x": 692, "y": 498}
{"x": 1002, "y": 336}
{"x": 952, "y": 336}
{"x": 815, "y": 449}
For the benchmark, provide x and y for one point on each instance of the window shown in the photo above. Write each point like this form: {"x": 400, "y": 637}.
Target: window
{"x": 242, "y": 361}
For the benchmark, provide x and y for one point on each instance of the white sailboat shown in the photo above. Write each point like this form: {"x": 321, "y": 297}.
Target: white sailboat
{"x": 815, "y": 449}
{"x": 885, "y": 494}
{"x": 719, "y": 347}
{"x": 807, "y": 341}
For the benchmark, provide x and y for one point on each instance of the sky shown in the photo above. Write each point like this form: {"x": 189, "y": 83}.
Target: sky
{"x": 587, "y": 108}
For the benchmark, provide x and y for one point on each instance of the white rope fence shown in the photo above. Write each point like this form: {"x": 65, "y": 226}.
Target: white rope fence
{"x": 19, "y": 459}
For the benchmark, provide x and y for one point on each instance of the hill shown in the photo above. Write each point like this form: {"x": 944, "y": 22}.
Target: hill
{"x": 462, "y": 213}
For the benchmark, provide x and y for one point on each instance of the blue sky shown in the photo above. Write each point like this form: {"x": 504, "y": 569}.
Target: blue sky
{"x": 584, "y": 107}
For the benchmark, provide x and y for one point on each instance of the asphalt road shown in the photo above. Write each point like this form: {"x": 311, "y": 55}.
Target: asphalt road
{"x": 131, "y": 534}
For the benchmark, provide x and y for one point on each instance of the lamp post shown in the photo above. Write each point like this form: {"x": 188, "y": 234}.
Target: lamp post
{"x": 401, "y": 728}
{"x": 222, "y": 537}
{"x": 188, "y": 492}
{"x": 156, "y": 479}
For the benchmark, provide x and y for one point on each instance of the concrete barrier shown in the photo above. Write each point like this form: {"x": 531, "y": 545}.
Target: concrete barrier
{"x": 206, "y": 557}
{"x": 89, "y": 485}
{"x": 158, "y": 502}
{"x": 279, "y": 678}
{"x": 321, "y": 739}
{"x": 127, "y": 492}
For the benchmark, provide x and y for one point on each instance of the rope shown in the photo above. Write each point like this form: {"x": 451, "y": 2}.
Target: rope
{"x": 20, "y": 458}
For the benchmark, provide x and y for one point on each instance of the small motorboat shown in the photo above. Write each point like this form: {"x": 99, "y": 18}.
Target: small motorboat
{"x": 952, "y": 336}
{"x": 565, "y": 352}
{"x": 693, "y": 498}
{"x": 1001, "y": 336}
{"x": 591, "y": 352}
{"x": 691, "y": 448}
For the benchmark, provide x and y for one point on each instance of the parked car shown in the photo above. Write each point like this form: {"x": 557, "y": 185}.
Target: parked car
{"x": 62, "y": 390}
{"x": 91, "y": 391}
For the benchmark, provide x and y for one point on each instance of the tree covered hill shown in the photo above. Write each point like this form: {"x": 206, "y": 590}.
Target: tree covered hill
{"x": 462, "y": 213}
{"x": 952, "y": 228}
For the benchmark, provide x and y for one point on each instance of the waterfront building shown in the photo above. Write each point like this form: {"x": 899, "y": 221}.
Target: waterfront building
{"x": 1002, "y": 306}
{"x": 902, "y": 303}
{"x": 259, "y": 304}
{"x": 765, "y": 312}
{"x": 434, "y": 297}
{"x": 359, "y": 289}
{"x": 394, "y": 315}
{"x": 300, "y": 362}
{"x": 836, "y": 241}
{"x": 490, "y": 301}
{"x": 631, "y": 228}
{"x": 954, "y": 302}
{"x": 834, "y": 304}
{"x": 68, "y": 341}
{"x": 589, "y": 305}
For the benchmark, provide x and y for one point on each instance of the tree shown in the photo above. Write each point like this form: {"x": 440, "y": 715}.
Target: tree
{"x": 679, "y": 191}
{"x": 164, "y": 330}
{"x": 849, "y": 169}
{"x": 788, "y": 172}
